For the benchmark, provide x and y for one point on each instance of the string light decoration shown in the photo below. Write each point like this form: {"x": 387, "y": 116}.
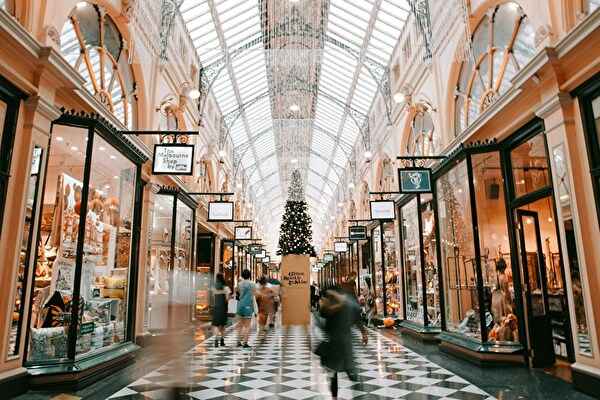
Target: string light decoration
{"x": 295, "y": 235}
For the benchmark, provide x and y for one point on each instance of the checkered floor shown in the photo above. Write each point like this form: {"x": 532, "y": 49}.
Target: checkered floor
{"x": 281, "y": 365}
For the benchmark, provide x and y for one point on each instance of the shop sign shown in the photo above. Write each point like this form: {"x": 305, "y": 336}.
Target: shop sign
{"x": 415, "y": 180}
{"x": 243, "y": 233}
{"x": 86, "y": 328}
{"x": 261, "y": 254}
{"x": 340, "y": 247}
{"x": 383, "y": 210}
{"x": 266, "y": 260}
{"x": 315, "y": 269}
{"x": 357, "y": 233}
{"x": 173, "y": 159}
{"x": 328, "y": 257}
{"x": 220, "y": 211}
{"x": 255, "y": 249}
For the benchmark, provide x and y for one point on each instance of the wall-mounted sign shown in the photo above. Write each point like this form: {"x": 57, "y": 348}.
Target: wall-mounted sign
{"x": 243, "y": 233}
{"x": 261, "y": 255}
{"x": 383, "y": 210}
{"x": 173, "y": 159}
{"x": 357, "y": 233}
{"x": 328, "y": 257}
{"x": 36, "y": 160}
{"x": 266, "y": 260}
{"x": 255, "y": 249}
{"x": 220, "y": 211}
{"x": 414, "y": 180}
{"x": 340, "y": 247}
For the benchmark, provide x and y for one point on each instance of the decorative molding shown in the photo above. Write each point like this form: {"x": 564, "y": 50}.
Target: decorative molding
{"x": 552, "y": 104}
{"x": 541, "y": 58}
{"x": 543, "y": 34}
{"x": 584, "y": 29}
{"x": 53, "y": 34}
{"x": 19, "y": 34}
{"x": 42, "y": 106}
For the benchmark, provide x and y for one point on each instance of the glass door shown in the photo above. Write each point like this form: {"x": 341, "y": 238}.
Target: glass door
{"x": 533, "y": 270}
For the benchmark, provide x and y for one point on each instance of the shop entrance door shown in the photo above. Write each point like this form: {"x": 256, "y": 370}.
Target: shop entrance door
{"x": 533, "y": 272}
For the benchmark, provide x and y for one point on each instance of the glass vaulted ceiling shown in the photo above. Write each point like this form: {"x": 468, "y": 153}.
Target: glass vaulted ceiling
{"x": 368, "y": 28}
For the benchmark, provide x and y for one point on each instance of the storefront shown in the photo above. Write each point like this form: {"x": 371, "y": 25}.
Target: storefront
{"x": 83, "y": 290}
{"x": 228, "y": 265}
{"x": 171, "y": 282}
{"x": 422, "y": 300}
{"x": 386, "y": 278}
{"x": 204, "y": 273}
{"x": 504, "y": 289}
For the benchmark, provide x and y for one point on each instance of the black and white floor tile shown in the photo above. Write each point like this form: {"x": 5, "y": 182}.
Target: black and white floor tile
{"x": 281, "y": 365}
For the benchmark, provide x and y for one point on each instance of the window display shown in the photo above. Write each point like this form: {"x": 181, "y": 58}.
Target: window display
{"x": 377, "y": 277}
{"x": 86, "y": 245}
{"x": 421, "y": 290}
{"x": 170, "y": 289}
{"x": 25, "y": 253}
{"x": 458, "y": 252}
{"x": 393, "y": 287}
{"x": 499, "y": 292}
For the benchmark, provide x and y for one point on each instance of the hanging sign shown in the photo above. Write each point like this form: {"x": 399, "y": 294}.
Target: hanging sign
{"x": 243, "y": 233}
{"x": 383, "y": 210}
{"x": 220, "y": 211}
{"x": 340, "y": 247}
{"x": 357, "y": 233}
{"x": 173, "y": 159}
{"x": 261, "y": 254}
{"x": 414, "y": 180}
{"x": 266, "y": 260}
{"x": 255, "y": 249}
{"x": 328, "y": 257}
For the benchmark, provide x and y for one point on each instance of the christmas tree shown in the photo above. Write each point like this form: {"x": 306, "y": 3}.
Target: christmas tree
{"x": 295, "y": 236}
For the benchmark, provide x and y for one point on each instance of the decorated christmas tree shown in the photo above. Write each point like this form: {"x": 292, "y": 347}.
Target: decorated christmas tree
{"x": 295, "y": 236}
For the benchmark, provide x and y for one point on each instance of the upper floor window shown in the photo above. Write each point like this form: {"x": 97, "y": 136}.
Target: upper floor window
{"x": 92, "y": 44}
{"x": 423, "y": 140}
{"x": 502, "y": 44}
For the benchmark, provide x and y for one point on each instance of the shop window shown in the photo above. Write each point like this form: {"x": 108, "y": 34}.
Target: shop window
{"x": 25, "y": 254}
{"x": 530, "y": 166}
{"x": 498, "y": 288}
{"x": 107, "y": 247}
{"x": 428, "y": 233}
{"x": 502, "y": 44}
{"x": 423, "y": 140}
{"x": 85, "y": 244}
{"x": 564, "y": 204}
{"x": 377, "y": 267}
{"x": 412, "y": 262}
{"x": 458, "y": 252}
{"x": 170, "y": 290}
{"x": 93, "y": 45}
{"x": 393, "y": 279}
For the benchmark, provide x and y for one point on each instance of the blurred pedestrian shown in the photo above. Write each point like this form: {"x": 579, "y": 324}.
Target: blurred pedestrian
{"x": 221, "y": 295}
{"x": 275, "y": 286}
{"x": 245, "y": 308}
{"x": 264, "y": 298}
{"x": 339, "y": 313}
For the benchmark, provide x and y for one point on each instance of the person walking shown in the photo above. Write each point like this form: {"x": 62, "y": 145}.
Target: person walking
{"x": 275, "y": 286}
{"x": 245, "y": 308}
{"x": 265, "y": 299}
{"x": 221, "y": 295}
{"x": 339, "y": 312}
{"x": 313, "y": 296}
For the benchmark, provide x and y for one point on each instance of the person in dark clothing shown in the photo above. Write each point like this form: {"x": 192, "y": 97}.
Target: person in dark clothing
{"x": 339, "y": 312}
{"x": 313, "y": 296}
{"x": 221, "y": 295}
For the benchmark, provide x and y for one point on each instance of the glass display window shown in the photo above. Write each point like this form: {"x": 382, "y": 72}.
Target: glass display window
{"x": 393, "y": 280}
{"x": 458, "y": 252}
{"x": 80, "y": 302}
{"x": 530, "y": 166}
{"x": 25, "y": 253}
{"x": 499, "y": 292}
{"x": 377, "y": 274}
{"x": 420, "y": 266}
{"x": 227, "y": 263}
{"x": 413, "y": 283}
{"x": 172, "y": 283}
